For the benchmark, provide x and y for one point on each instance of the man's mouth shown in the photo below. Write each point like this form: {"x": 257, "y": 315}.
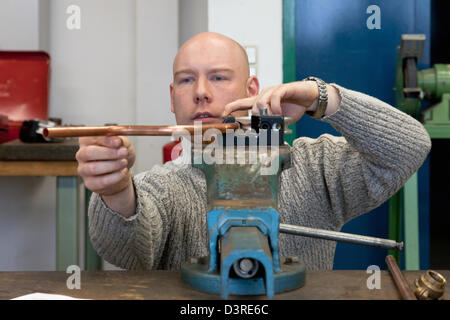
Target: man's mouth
{"x": 205, "y": 117}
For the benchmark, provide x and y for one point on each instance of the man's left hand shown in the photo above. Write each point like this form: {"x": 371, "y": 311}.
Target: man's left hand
{"x": 290, "y": 100}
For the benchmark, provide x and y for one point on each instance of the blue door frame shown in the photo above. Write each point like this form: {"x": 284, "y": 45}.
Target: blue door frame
{"x": 330, "y": 39}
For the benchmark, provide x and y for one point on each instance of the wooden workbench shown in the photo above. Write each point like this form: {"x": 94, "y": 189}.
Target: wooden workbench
{"x": 38, "y": 159}
{"x": 167, "y": 285}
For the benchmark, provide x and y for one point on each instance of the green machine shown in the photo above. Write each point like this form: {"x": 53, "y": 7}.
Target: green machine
{"x": 411, "y": 88}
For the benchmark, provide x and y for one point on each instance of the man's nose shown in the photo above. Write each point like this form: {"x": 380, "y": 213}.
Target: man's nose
{"x": 202, "y": 92}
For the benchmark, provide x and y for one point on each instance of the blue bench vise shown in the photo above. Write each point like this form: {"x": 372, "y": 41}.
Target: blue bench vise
{"x": 242, "y": 219}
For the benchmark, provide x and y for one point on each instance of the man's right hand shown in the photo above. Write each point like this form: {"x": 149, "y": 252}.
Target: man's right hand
{"x": 104, "y": 164}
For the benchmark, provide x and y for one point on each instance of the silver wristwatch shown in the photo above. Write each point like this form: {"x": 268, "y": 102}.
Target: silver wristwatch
{"x": 323, "y": 98}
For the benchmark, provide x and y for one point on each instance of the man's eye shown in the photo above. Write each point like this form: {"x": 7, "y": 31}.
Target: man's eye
{"x": 218, "y": 78}
{"x": 186, "y": 80}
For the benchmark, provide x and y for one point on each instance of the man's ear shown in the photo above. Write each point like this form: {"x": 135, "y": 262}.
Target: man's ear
{"x": 252, "y": 86}
{"x": 171, "y": 98}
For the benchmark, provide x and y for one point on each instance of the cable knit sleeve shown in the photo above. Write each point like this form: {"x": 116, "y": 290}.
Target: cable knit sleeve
{"x": 136, "y": 242}
{"x": 380, "y": 148}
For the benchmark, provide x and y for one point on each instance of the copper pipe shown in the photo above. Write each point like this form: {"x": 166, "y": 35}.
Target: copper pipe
{"x": 399, "y": 279}
{"x": 133, "y": 130}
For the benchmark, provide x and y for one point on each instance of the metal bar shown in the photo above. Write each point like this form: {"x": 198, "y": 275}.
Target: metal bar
{"x": 92, "y": 259}
{"x": 395, "y": 221}
{"x": 289, "y": 55}
{"x": 411, "y": 225}
{"x": 340, "y": 236}
{"x": 66, "y": 223}
{"x": 399, "y": 279}
{"x": 438, "y": 131}
{"x": 134, "y": 130}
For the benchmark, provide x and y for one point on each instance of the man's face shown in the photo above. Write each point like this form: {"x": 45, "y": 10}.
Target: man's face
{"x": 209, "y": 73}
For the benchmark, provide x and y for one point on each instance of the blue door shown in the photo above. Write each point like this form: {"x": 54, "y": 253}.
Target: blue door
{"x": 333, "y": 42}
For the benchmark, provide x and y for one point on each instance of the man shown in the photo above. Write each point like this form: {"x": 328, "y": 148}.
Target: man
{"x": 157, "y": 219}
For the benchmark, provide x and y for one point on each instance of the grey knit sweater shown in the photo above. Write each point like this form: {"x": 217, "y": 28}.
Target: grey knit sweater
{"x": 332, "y": 180}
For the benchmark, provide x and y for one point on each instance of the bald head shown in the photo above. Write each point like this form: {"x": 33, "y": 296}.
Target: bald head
{"x": 211, "y": 42}
{"x": 209, "y": 71}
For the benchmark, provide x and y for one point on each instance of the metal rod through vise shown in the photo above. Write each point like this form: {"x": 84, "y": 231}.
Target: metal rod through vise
{"x": 340, "y": 236}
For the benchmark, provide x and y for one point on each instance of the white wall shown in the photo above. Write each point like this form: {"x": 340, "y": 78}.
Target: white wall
{"x": 19, "y": 25}
{"x": 193, "y": 15}
{"x": 157, "y": 44}
{"x": 27, "y": 205}
{"x": 116, "y": 68}
{"x": 249, "y": 22}
{"x": 253, "y": 22}
{"x": 93, "y": 68}
{"x": 28, "y": 221}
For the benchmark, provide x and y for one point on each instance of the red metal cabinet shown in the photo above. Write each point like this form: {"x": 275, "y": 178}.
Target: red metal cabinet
{"x": 24, "y": 90}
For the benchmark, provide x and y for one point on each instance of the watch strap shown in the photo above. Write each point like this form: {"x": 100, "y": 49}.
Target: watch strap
{"x": 323, "y": 98}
